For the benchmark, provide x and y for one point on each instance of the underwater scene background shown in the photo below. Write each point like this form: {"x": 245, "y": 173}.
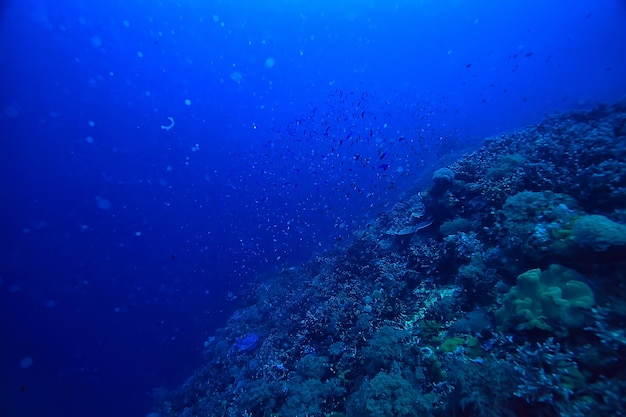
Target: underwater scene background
{"x": 331, "y": 208}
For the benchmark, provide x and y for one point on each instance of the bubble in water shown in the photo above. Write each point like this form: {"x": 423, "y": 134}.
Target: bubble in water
{"x": 11, "y": 111}
{"x": 103, "y": 203}
{"x": 236, "y": 76}
{"x": 26, "y": 362}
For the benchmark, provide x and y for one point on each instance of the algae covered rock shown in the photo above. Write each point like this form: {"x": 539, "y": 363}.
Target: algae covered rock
{"x": 407, "y": 217}
{"x": 552, "y": 300}
{"x": 539, "y": 224}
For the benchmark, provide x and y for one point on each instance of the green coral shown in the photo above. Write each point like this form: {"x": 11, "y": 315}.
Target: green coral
{"x": 470, "y": 344}
{"x": 451, "y": 344}
{"x": 543, "y": 300}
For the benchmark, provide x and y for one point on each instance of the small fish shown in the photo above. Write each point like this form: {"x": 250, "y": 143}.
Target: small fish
{"x": 468, "y": 65}
{"x": 384, "y": 167}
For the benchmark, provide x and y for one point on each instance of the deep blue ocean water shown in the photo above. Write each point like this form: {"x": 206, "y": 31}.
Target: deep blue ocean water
{"x": 159, "y": 155}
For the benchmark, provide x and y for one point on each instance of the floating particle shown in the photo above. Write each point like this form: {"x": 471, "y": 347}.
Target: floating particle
{"x": 103, "y": 203}
{"x": 26, "y": 362}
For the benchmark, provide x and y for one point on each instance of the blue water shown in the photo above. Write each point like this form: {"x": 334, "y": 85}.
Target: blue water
{"x": 125, "y": 242}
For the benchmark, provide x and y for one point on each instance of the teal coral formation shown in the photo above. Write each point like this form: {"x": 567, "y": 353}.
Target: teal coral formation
{"x": 598, "y": 232}
{"x": 541, "y": 300}
{"x": 513, "y": 303}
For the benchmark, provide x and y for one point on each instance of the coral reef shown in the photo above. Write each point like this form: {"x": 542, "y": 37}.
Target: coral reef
{"x": 499, "y": 291}
{"x": 557, "y": 295}
{"x": 598, "y": 232}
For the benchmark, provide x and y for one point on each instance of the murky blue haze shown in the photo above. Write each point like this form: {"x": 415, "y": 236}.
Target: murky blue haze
{"x": 158, "y": 155}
